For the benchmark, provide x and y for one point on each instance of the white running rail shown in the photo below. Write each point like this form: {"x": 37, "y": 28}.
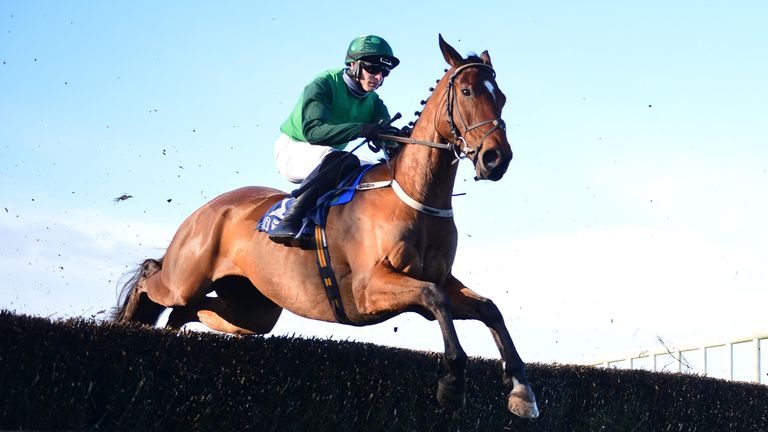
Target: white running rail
{"x": 744, "y": 359}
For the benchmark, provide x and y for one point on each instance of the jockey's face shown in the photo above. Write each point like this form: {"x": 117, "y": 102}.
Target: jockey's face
{"x": 371, "y": 78}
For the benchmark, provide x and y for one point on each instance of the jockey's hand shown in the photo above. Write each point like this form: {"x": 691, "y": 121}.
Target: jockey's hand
{"x": 375, "y": 145}
{"x": 371, "y": 131}
{"x": 378, "y": 143}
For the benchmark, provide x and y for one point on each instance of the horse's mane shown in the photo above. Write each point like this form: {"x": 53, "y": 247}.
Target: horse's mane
{"x": 472, "y": 58}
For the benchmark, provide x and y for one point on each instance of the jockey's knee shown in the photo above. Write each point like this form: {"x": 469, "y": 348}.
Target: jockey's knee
{"x": 349, "y": 162}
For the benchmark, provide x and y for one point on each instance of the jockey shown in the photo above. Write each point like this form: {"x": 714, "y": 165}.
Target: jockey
{"x": 338, "y": 106}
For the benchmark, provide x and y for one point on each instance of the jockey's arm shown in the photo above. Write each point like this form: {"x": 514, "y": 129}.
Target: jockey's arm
{"x": 316, "y": 112}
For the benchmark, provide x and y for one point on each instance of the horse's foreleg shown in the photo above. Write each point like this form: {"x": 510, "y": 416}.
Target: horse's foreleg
{"x": 388, "y": 291}
{"x": 470, "y": 305}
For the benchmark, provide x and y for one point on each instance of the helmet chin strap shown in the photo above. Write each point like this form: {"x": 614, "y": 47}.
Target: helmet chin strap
{"x": 356, "y": 70}
{"x": 356, "y": 73}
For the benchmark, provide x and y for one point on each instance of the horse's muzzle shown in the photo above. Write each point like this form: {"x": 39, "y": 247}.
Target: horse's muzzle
{"x": 492, "y": 164}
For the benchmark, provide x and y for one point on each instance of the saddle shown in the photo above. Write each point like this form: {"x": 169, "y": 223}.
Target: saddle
{"x": 317, "y": 216}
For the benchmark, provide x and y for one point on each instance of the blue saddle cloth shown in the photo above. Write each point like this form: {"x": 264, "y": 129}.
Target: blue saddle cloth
{"x": 342, "y": 194}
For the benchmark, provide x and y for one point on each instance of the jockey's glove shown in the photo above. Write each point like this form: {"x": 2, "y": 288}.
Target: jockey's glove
{"x": 371, "y": 131}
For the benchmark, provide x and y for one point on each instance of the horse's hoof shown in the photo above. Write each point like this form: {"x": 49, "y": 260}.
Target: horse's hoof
{"x": 523, "y": 404}
{"x": 450, "y": 393}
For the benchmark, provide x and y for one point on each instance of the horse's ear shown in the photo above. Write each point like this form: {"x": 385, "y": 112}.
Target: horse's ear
{"x": 486, "y": 58}
{"x": 451, "y": 55}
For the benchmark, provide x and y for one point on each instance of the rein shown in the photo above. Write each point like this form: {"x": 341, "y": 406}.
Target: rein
{"x": 458, "y": 145}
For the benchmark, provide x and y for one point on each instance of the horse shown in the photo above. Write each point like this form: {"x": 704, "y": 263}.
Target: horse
{"x": 391, "y": 248}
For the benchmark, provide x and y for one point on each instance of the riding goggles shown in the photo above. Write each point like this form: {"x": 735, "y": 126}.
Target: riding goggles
{"x": 374, "y": 68}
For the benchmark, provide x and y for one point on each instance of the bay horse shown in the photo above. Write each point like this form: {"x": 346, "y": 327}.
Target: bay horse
{"x": 392, "y": 248}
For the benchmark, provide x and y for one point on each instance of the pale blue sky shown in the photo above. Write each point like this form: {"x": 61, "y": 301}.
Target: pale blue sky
{"x": 634, "y": 208}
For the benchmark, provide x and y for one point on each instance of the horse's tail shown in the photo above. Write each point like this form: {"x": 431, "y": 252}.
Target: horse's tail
{"x": 133, "y": 305}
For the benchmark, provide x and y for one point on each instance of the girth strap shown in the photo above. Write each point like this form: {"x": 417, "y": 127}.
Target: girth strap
{"x": 328, "y": 277}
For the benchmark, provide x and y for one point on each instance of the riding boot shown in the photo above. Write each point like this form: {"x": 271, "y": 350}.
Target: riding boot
{"x": 287, "y": 232}
{"x": 325, "y": 177}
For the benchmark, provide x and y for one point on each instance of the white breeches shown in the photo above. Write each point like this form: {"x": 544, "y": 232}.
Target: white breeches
{"x": 296, "y": 159}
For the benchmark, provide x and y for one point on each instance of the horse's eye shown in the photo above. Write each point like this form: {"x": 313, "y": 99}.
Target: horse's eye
{"x": 466, "y": 92}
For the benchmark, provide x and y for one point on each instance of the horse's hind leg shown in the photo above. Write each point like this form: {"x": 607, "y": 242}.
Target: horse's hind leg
{"x": 137, "y": 306}
{"x": 469, "y": 305}
{"x": 210, "y": 311}
{"x": 239, "y": 308}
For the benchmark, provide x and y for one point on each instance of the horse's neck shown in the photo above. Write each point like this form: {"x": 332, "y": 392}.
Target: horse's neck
{"x": 426, "y": 174}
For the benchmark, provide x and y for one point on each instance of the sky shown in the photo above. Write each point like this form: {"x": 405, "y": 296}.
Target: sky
{"x": 633, "y": 210}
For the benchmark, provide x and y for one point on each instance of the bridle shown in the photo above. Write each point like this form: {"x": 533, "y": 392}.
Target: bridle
{"x": 450, "y": 103}
{"x": 458, "y": 144}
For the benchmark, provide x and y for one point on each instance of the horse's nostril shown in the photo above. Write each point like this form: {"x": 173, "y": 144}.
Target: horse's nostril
{"x": 491, "y": 158}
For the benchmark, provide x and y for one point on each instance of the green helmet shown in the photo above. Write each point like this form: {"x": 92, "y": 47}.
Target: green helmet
{"x": 371, "y": 46}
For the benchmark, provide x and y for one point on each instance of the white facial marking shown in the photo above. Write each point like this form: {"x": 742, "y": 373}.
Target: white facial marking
{"x": 491, "y": 89}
